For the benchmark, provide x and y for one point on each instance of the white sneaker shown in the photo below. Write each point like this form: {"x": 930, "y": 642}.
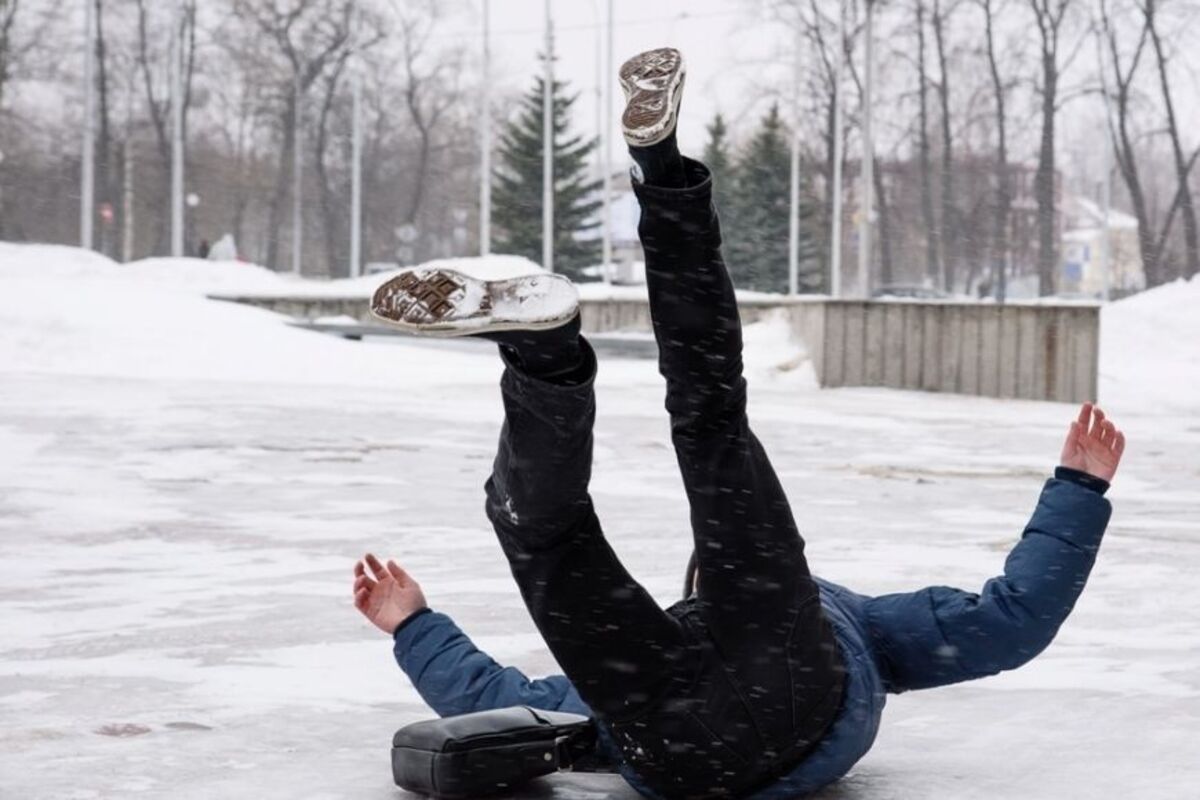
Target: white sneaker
{"x": 443, "y": 302}
{"x": 653, "y": 86}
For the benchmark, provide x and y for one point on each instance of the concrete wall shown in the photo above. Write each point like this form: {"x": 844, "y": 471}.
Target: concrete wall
{"x": 1036, "y": 352}
{"x": 1030, "y": 351}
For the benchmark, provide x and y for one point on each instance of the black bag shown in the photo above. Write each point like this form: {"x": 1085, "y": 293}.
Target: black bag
{"x": 489, "y": 751}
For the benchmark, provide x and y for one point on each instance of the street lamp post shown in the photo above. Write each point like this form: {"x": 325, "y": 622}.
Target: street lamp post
{"x": 794, "y": 207}
{"x": 606, "y": 145}
{"x": 867, "y": 207}
{"x": 297, "y": 176}
{"x": 548, "y": 148}
{"x": 603, "y": 125}
{"x": 835, "y": 234}
{"x": 485, "y": 139}
{"x": 87, "y": 178}
{"x": 177, "y": 130}
{"x": 356, "y": 77}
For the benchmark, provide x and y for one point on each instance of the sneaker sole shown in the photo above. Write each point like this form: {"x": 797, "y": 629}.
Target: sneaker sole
{"x": 653, "y": 86}
{"x": 446, "y": 303}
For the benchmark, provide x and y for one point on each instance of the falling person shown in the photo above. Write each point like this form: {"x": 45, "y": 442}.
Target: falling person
{"x": 766, "y": 681}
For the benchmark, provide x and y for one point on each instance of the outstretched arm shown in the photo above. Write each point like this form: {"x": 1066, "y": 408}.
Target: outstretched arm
{"x": 449, "y": 672}
{"x": 942, "y": 635}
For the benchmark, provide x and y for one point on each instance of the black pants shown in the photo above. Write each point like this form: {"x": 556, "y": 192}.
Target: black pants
{"x": 718, "y": 695}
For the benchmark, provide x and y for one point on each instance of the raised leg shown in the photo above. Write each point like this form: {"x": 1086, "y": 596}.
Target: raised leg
{"x": 755, "y": 593}
{"x": 619, "y": 648}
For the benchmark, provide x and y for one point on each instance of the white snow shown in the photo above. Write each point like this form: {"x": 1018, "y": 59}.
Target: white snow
{"x": 185, "y": 484}
{"x": 1150, "y": 348}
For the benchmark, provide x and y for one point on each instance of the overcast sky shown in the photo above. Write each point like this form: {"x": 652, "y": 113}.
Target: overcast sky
{"x": 704, "y": 30}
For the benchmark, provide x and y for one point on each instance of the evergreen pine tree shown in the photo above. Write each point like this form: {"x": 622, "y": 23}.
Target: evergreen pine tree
{"x": 716, "y": 158}
{"x": 757, "y": 242}
{"x": 517, "y": 189}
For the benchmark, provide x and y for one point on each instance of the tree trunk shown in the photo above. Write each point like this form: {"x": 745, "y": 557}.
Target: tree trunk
{"x": 423, "y": 136}
{"x": 1187, "y": 209}
{"x": 1048, "y": 21}
{"x": 1003, "y": 208}
{"x": 8, "y": 17}
{"x": 105, "y": 174}
{"x": 334, "y": 237}
{"x": 1123, "y": 148}
{"x": 932, "y": 238}
{"x": 886, "y": 269}
{"x": 279, "y": 193}
{"x": 950, "y": 226}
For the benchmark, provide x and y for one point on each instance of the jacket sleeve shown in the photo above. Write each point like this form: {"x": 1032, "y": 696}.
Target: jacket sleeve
{"x": 454, "y": 677}
{"x": 940, "y": 635}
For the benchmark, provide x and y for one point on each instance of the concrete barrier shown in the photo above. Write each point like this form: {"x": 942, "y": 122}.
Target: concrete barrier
{"x": 1031, "y": 351}
{"x": 1034, "y": 351}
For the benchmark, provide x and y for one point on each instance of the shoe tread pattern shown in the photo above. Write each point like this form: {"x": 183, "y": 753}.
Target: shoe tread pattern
{"x": 415, "y": 299}
{"x": 647, "y": 80}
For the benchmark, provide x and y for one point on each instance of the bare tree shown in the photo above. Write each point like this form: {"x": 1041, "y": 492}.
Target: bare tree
{"x": 1183, "y": 164}
{"x": 932, "y": 233}
{"x": 22, "y": 28}
{"x": 882, "y": 205}
{"x": 1050, "y": 16}
{"x": 106, "y": 172}
{"x": 950, "y": 223}
{"x": 309, "y": 37}
{"x": 8, "y": 22}
{"x": 1002, "y": 209}
{"x": 820, "y": 31}
{"x": 1121, "y": 99}
{"x": 430, "y": 90}
{"x": 153, "y": 65}
{"x": 330, "y": 208}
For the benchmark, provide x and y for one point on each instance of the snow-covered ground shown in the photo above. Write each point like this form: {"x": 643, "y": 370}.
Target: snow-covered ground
{"x": 184, "y": 487}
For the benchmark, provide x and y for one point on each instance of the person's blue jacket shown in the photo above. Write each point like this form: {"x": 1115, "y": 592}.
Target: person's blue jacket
{"x": 891, "y": 643}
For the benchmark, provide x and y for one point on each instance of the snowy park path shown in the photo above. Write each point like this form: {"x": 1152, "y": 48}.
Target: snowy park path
{"x": 175, "y": 565}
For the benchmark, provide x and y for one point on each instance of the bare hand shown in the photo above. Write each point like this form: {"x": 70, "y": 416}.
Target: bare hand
{"x": 1094, "y": 445}
{"x": 389, "y": 598}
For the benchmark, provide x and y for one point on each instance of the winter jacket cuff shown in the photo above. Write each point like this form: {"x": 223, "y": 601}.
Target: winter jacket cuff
{"x": 1071, "y": 513}
{"x": 1080, "y": 478}
{"x": 408, "y": 621}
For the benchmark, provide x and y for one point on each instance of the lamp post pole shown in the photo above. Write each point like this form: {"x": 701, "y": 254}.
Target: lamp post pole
{"x": 485, "y": 138}
{"x": 606, "y": 146}
{"x": 87, "y": 177}
{"x": 835, "y": 234}
{"x": 356, "y": 150}
{"x": 867, "y": 209}
{"x": 297, "y": 177}
{"x": 794, "y": 207}
{"x": 548, "y": 147}
{"x": 177, "y": 221}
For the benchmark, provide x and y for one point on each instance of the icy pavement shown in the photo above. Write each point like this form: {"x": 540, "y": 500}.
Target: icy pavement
{"x": 185, "y": 485}
{"x": 175, "y": 565}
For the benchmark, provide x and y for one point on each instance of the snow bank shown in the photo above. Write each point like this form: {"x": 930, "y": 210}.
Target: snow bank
{"x": 494, "y": 267}
{"x": 55, "y": 262}
{"x": 68, "y": 311}
{"x": 1150, "y": 349}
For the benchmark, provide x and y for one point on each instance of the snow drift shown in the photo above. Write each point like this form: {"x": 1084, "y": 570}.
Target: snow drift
{"x": 1150, "y": 349}
{"x": 64, "y": 310}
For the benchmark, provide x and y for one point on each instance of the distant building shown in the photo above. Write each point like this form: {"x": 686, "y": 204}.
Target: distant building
{"x": 1082, "y": 271}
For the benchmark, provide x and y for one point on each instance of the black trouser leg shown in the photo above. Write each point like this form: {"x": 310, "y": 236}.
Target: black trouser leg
{"x": 756, "y": 595}
{"x": 614, "y": 642}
